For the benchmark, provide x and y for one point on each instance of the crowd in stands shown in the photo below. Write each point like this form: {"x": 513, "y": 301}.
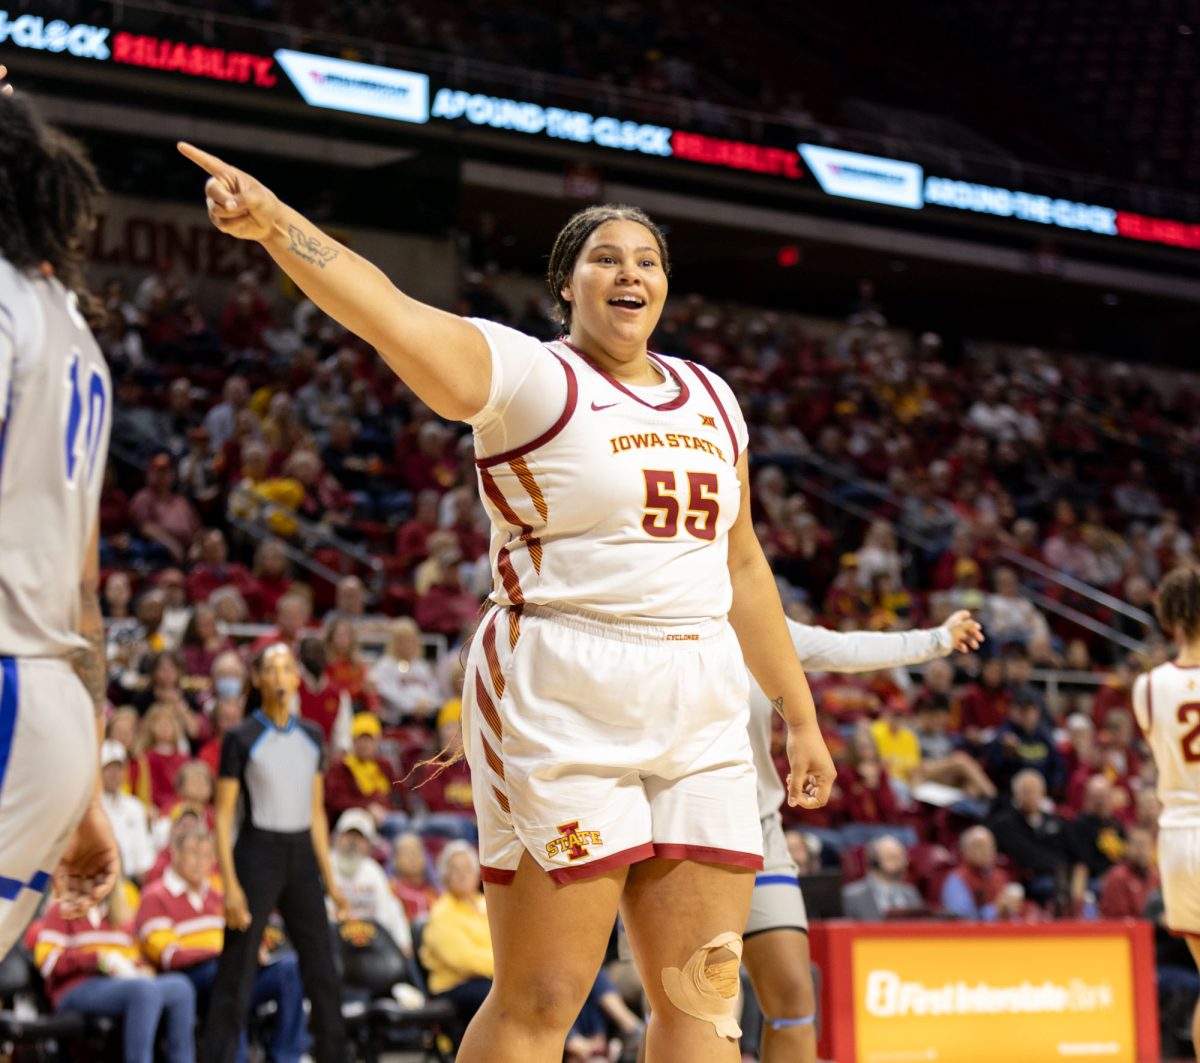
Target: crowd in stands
{"x": 271, "y": 480}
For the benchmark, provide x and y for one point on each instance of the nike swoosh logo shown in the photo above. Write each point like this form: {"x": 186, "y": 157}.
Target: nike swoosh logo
{"x": 606, "y": 406}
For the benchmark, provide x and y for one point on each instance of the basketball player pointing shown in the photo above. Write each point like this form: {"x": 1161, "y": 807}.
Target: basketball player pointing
{"x": 55, "y": 414}
{"x": 1166, "y": 702}
{"x": 605, "y": 709}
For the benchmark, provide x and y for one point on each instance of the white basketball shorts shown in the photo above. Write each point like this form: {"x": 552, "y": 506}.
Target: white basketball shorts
{"x": 595, "y": 743}
{"x": 1179, "y": 869}
{"x": 48, "y": 764}
{"x": 778, "y": 903}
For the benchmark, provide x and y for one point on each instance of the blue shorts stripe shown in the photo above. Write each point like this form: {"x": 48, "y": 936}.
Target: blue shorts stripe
{"x": 9, "y": 699}
{"x": 10, "y": 888}
{"x": 778, "y": 880}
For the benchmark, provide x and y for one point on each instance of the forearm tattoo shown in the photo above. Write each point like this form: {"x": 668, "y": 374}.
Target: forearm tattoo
{"x": 91, "y": 666}
{"x": 777, "y": 704}
{"x": 310, "y": 248}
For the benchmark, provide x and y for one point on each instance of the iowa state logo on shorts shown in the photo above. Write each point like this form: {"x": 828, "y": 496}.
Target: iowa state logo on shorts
{"x": 573, "y": 841}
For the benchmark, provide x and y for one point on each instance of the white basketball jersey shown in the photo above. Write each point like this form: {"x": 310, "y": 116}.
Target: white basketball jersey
{"x": 57, "y": 411}
{"x": 621, "y": 507}
{"x": 1166, "y": 702}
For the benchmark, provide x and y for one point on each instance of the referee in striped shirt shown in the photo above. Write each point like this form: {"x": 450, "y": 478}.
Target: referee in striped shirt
{"x": 271, "y": 765}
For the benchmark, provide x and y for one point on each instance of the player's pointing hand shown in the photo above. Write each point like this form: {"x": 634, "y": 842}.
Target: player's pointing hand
{"x": 238, "y": 204}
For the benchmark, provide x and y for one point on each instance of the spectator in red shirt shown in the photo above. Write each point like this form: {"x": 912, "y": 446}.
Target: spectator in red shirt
{"x": 444, "y": 787}
{"x": 203, "y": 642}
{"x": 227, "y": 713}
{"x": 430, "y": 465}
{"x": 272, "y": 577}
{"x": 464, "y": 521}
{"x": 345, "y": 670}
{"x": 866, "y": 790}
{"x": 92, "y": 965}
{"x": 412, "y": 538}
{"x": 961, "y": 548}
{"x": 447, "y": 606}
{"x": 1126, "y": 887}
{"x": 1116, "y": 693}
{"x": 328, "y": 708}
{"x": 162, "y": 515}
{"x": 246, "y": 316}
{"x": 977, "y": 888}
{"x": 214, "y": 568}
{"x": 412, "y": 882}
{"x": 985, "y": 704}
{"x": 158, "y": 754}
{"x": 362, "y": 778}
{"x": 292, "y": 617}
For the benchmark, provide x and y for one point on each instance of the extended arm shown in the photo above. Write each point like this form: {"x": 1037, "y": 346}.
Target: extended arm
{"x": 758, "y": 620}
{"x": 444, "y": 359}
{"x": 822, "y": 650}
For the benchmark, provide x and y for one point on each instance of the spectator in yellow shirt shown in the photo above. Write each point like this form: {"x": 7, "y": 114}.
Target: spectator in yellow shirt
{"x": 457, "y": 948}
{"x": 899, "y": 747}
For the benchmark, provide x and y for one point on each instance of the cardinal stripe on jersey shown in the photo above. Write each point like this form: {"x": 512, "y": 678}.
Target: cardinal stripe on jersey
{"x": 493, "y": 758}
{"x": 502, "y": 801}
{"x": 712, "y": 394}
{"x": 509, "y": 577}
{"x": 535, "y": 551}
{"x": 514, "y": 627}
{"x": 528, "y": 482}
{"x": 493, "y": 658}
{"x": 497, "y": 499}
{"x": 487, "y": 706}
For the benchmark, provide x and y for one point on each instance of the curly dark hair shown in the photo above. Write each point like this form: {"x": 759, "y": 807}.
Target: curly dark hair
{"x": 48, "y": 191}
{"x": 572, "y": 236}
{"x": 1177, "y": 602}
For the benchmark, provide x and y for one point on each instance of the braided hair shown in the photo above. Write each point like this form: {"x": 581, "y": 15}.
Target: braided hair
{"x": 48, "y": 191}
{"x": 1178, "y": 602}
{"x": 574, "y": 235}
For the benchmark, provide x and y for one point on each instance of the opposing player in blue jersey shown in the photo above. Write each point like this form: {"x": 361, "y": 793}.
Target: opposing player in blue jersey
{"x": 55, "y": 415}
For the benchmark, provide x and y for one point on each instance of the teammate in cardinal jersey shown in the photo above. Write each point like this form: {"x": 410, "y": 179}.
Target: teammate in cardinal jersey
{"x": 55, "y": 413}
{"x": 1166, "y": 702}
{"x": 605, "y": 706}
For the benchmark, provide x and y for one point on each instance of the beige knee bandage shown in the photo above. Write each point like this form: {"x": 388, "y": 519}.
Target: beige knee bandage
{"x": 708, "y": 989}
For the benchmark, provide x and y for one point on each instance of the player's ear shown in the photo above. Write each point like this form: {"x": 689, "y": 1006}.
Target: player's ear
{"x": 565, "y": 292}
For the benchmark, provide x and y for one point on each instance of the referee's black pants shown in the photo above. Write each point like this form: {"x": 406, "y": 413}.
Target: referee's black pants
{"x": 277, "y": 870}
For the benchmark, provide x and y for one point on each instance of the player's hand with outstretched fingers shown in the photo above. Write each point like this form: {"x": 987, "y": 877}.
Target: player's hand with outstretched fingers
{"x": 965, "y": 632}
{"x": 90, "y": 866}
{"x": 238, "y": 204}
{"x": 812, "y": 770}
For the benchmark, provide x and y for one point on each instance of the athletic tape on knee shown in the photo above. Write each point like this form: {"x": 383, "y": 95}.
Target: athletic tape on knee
{"x": 783, "y": 1024}
{"x": 708, "y": 991}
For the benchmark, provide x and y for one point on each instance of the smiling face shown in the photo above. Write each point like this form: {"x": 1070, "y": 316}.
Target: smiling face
{"x": 616, "y": 290}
